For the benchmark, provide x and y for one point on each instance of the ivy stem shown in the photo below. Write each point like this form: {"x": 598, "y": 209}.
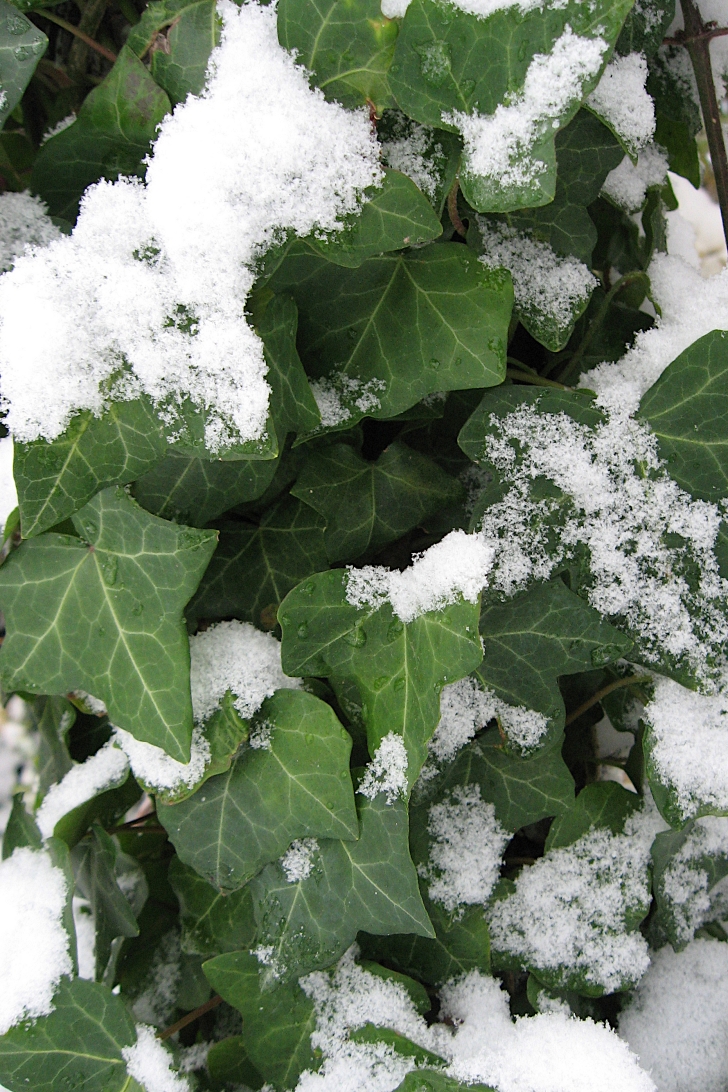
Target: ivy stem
{"x": 534, "y": 378}
{"x": 452, "y": 209}
{"x": 190, "y": 1016}
{"x": 696, "y": 39}
{"x": 632, "y": 680}
{"x": 53, "y": 18}
{"x": 597, "y": 322}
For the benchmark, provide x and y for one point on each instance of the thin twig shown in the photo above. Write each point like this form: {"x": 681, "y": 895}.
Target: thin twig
{"x": 51, "y": 15}
{"x": 697, "y": 43}
{"x": 138, "y": 824}
{"x": 598, "y": 321}
{"x": 682, "y": 39}
{"x": 452, "y": 210}
{"x": 190, "y": 1016}
{"x": 632, "y": 680}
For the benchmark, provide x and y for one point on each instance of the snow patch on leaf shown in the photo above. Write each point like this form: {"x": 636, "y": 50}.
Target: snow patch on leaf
{"x": 387, "y": 771}
{"x": 621, "y": 100}
{"x": 107, "y": 769}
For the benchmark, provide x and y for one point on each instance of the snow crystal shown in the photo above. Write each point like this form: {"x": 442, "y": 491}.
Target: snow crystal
{"x": 466, "y": 845}
{"x": 465, "y": 708}
{"x": 8, "y": 492}
{"x": 678, "y": 1021}
{"x": 387, "y": 771}
{"x": 628, "y": 183}
{"x": 260, "y": 736}
{"x": 24, "y": 222}
{"x": 621, "y": 100}
{"x": 621, "y": 515}
{"x": 148, "y": 295}
{"x": 298, "y": 860}
{"x": 498, "y": 146}
{"x": 158, "y": 999}
{"x": 150, "y": 1063}
{"x": 338, "y": 394}
{"x": 34, "y": 946}
{"x": 85, "y": 926}
{"x": 569, "y": 912}
{"x": 689, "y": 745}
{"x": 414, "y": 150}
{"x": 235, "y": 656}
{"x": 545, "y": 286}
{"x": 105, "y": 770}
{"x": 685, "y": 882}
{"x": 545, "y": 1053}
{"x": 54, "y": 130}
{"x": 155, "y": 769}
{"x": 456, "y": 566}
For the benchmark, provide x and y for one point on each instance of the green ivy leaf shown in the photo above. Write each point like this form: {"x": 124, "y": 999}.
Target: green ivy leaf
{"x": 645, "y": 27}
{"x": 670, "y": 912}
{"x": 212, "y": 922}
{"x": 178, "y": 62}
{"x": 533, "y": 638}
{"x": 191, "y": 490}
{"x": 368, "y": 885}
{"x": 293, "y": 405}
{"x": 98, "y": 865}
{"x": 348, "y": 45}
{"x": 106, "y": 807}
{"x": 55, "y": 479}
{"x": 104, "y": 614}
{"x": 688, "y": 410}
{"x": 372, "y": 1033}
{"x": 53, "y": 719}
{"x": 112, "y": 134}
{"x": 396, "y": 214}
{"x": 449, "y": 61}
{"x": 277, "y": 1022}
{"x": 254, "y": 568}
{"x": 399, "y": 669}
{"x": 228, "y": 1063}
{"x": 369, "y": 504}
{"x": 297, "y": 787}
{"x": 427, "y": 1080}
{"x": 78, "y": 1046}
{"x": 399, "y": 327}
{"x": 21, "y": 47}
{"x": 439, "y": 150}
{"x": 600, "y": 804}
{"x": 21, "y": 829}
{"x": 522, "y": 790}
{"x": 460, "y": 945}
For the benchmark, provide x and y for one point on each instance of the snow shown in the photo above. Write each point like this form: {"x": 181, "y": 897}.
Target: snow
{"x": 85, "y": 926}
{"x": 387, "y": 771}
{"x": 414, "y": 150}
{"x": 18, "y": 747}
{"x": 712, "y": 11}
{"x": 24, "y": 222}
{"x": 621, "y": 515}
{"x": 628, "y": 183}
{"x": 149, "y": 1063}
{"x": 157, "y": 1001}
{"x": 545, "y": 1053}
{"x": 8, "y": 492}
{"x": 480, "y": 1042}
{"x": 498, "y": 146}
{"x": 465, "y": 708}
{"x": 148, "y": 294}
{"x": 685, "y": 882}
{"x": 703, "y": 214}
{"x": 34, "y": 946}
{"x": 156, "y": 770}
{"x": 689, "y": 745}
{"x": 621, "y": 100}
{"x": 569, "y": 912}
{"x": 338, "y": 394}
{"x": 456, "y": 566}
{"x": 547, "y": 288}
{"x": 466, "y": 845}
{"x": 678, "y": 1020}
{"x": 107, "y": 769}
{"x": 238, "y": 657}
{"x": 298, "y": 860}
{"x": 58, "y": 127}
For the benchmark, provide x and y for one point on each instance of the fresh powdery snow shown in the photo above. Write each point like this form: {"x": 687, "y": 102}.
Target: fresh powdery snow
{"x": 466, "y": 845}
{"x": 628, "y": 183}
{"x": 149, "y": 1063}
{"x": 104, "y": 770}
{"x": 235, "y": 656}
{"x": 387, "y": 771}
{"x": 148, "y": 294}
{"x": 569, "y": 912}
{"x": 480, "y": 1042}
{"x": 465, "y": 708}
{"x": 621, "y": 100}
{"x": 678, "y": 1021}
{"x": 34, "y": 946}
{"x": 549, "y": 290}
{"x": 155, "y": 769}
{"x": 298, "y": 860}
{"x": 685, "y": 883}
{"x": 498, "y": 146}
{"x": 24, "y": 222}
{"x": 456, "y": 566}
{"x": 414, "y": 150}
{"x": 689, "y": 745}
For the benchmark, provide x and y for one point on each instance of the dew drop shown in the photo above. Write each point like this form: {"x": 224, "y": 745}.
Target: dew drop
{"x": 380, "y": 682}
{"x": 109, "y": 570}
{"x": 400, "y": 684}
{"x": 356, "y": 637}
{"x": 302, "y": 631}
